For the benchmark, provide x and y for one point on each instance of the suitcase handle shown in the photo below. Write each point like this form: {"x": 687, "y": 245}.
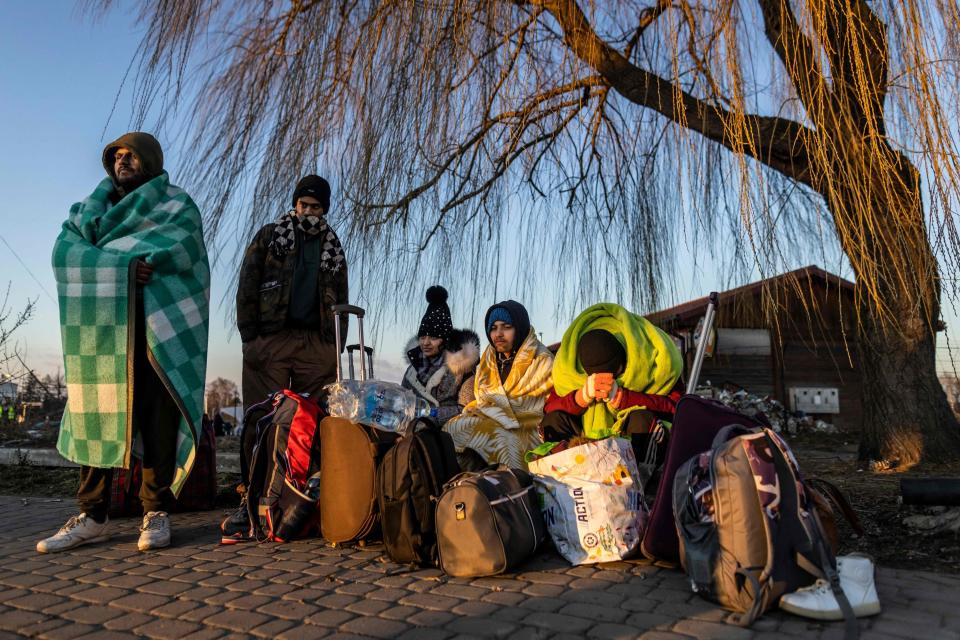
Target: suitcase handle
{"x": 368, "y": 351}
{"x": 349, "y": 309}
{"x": 694, "y": 377}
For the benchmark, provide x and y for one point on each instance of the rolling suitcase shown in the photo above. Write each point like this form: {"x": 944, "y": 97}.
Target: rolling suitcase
{"x": 349, "y": 457}
{"x": 695, "y": 424}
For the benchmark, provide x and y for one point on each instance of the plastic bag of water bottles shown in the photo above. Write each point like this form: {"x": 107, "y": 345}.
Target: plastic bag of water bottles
{"x": 383, "y": 405}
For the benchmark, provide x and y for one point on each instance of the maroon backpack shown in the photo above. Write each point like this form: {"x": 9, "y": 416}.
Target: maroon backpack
{"x": 199, "y": 492}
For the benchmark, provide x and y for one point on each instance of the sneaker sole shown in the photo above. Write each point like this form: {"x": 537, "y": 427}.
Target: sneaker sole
{"x": 862, "y": 610}
{"x": 103, "y": 538}
{"x": 152, "y": 547}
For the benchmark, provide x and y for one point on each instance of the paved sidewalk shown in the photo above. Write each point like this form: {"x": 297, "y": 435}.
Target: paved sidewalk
{"x": 197, "y": 589}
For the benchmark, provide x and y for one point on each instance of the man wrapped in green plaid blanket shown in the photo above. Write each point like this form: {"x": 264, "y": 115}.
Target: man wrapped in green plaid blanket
{"x": 133, "y": 284}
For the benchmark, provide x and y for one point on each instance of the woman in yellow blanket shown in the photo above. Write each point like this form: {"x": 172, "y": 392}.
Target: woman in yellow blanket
{"x": 512, "y": 382}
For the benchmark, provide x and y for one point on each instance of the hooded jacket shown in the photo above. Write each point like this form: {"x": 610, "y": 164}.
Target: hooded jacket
{"x": 440, "y": 382}
{"x": 144, "y": 146}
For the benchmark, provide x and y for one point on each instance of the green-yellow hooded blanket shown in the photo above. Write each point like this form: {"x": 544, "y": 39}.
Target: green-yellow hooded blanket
{"x": 654, "y": 363}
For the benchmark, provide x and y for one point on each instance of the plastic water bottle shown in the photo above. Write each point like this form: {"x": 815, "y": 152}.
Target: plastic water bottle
{"x": 383, "y": 405}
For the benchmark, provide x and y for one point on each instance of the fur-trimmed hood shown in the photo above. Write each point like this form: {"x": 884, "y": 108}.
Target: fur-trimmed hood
{"x": 461, "y": 352}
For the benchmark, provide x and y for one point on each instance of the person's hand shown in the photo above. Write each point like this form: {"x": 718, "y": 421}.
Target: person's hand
{"x": 584, "y": 395}
{"x": 144, "y": 271}
{"x": 615, "y": 399}
{"x": 602, "y": 386}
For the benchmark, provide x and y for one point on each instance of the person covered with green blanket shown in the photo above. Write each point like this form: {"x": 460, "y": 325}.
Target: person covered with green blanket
{"x": 133, "y": 283}
{"x": 614, "y": 374}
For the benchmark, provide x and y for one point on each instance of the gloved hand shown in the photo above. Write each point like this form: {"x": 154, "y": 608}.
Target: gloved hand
{"x": 602, "y": 385}
{"x": 595, "y": 388}
{"x": 615, "y": 397}
{"x": 584, "y": 395}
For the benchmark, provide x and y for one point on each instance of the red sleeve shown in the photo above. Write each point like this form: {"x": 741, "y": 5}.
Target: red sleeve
{"x": 567, "y": 403}
{"x": 664, "y": 406}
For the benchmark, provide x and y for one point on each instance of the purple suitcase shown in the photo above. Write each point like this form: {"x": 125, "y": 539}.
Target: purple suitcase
{"x": 695, "y": 423}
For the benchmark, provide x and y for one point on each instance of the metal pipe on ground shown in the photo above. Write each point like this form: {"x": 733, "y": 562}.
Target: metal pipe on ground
{"x": 930, "y": 491}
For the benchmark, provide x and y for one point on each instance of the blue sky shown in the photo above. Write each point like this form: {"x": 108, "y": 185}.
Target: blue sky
{"x": 58, "y": 85}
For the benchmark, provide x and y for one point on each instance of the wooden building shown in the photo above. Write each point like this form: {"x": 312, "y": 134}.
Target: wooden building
{"x": 792, "y": 337}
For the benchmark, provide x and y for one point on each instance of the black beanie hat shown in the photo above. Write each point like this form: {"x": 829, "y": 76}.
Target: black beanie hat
{"x": 314, "y": 187}
{"x": 599, "y": 351}
{"x": 144, "y": 146}
{"x": 436, "y": 321}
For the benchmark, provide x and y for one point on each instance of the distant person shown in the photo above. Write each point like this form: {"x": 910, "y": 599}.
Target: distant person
{"x": 615, "y": 373}
{"x": 133, "y": 284}
{"x": 499, "y": 424}
{"x": 293, "y": 271}
{"x": 441, "y": 359}
{"x": 218, "y": 425}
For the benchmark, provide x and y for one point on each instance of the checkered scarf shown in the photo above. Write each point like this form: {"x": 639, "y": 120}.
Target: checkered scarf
{"x": 284, "y": 239}
{"x": 94, "y": 260}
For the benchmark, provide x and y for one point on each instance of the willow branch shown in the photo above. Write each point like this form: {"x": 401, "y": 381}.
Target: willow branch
{"x": 777, "y": 142}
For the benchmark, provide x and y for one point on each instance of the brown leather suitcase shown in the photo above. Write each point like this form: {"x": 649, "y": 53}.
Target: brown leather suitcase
{"x": 349, "y": 457}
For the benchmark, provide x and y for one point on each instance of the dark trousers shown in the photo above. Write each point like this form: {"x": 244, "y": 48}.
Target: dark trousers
{"x": 295, "y": 359}
{"x": 156, "y": 418}
{"x": 559, "y": 425}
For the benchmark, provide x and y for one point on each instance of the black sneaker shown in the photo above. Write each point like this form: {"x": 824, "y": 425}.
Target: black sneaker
{"x": 236, "y": 527}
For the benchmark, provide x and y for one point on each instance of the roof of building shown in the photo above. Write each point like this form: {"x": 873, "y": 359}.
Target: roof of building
{"x": 695, "y": 308}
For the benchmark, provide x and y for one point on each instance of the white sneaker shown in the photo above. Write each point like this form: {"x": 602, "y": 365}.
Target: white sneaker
{"x": 155, "y": 531}
{"x": 817, "y": 601}
{"x": 81, "y": 529}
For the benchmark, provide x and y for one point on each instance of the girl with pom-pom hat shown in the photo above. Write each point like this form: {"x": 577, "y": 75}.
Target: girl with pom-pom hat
{"x": 442, "y": 359}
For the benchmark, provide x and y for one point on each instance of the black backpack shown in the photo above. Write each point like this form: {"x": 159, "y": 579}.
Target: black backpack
{"x": 409, "y": 482}
{"x": 283, "y": 489}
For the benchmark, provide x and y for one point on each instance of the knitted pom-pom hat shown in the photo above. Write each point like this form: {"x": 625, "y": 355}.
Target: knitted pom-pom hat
{"x": 436, "y": 321}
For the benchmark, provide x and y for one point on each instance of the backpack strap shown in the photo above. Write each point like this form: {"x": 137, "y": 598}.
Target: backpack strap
{"x": 837, "y": 500}
{"x": 258, "y": 474}
{"x": 828, "y": 564}
{"x": 751, "y": 575}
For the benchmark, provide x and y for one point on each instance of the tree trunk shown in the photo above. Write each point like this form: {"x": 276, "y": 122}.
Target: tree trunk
{"x": 906, "y": 416}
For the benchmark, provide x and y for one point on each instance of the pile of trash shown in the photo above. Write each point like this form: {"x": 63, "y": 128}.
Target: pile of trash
{"x": 781, "y": 419}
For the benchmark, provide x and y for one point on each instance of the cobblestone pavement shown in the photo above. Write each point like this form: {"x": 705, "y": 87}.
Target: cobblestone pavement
{"x": 197, "y": 589}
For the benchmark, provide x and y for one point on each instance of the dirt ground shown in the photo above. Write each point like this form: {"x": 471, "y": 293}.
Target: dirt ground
{"x": 874, "y": 496}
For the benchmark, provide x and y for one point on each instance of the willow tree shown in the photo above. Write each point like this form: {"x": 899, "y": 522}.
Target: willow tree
{"x": 614, "y": 127}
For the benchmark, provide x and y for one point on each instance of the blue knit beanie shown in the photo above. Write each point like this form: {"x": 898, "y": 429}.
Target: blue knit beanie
{"x": 498, "y": 313}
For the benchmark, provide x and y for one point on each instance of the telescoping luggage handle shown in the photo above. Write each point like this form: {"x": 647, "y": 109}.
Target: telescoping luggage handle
{"x": 359, "y": 312}
{"x": 702, "y": 343}
{"x": 368, "y": 351}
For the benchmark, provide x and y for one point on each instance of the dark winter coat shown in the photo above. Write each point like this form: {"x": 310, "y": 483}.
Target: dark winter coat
{"x": 440, "y": 382}
{"x": 263, "y": 294}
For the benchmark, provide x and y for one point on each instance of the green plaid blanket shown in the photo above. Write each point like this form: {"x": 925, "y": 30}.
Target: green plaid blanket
{"x": 93, "y": 260}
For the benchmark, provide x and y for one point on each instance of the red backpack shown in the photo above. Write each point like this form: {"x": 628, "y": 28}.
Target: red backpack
{"x": 283, "y": 489}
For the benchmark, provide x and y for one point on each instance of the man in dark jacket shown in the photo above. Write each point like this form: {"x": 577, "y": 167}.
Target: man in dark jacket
{"x": 292, "y": 273}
